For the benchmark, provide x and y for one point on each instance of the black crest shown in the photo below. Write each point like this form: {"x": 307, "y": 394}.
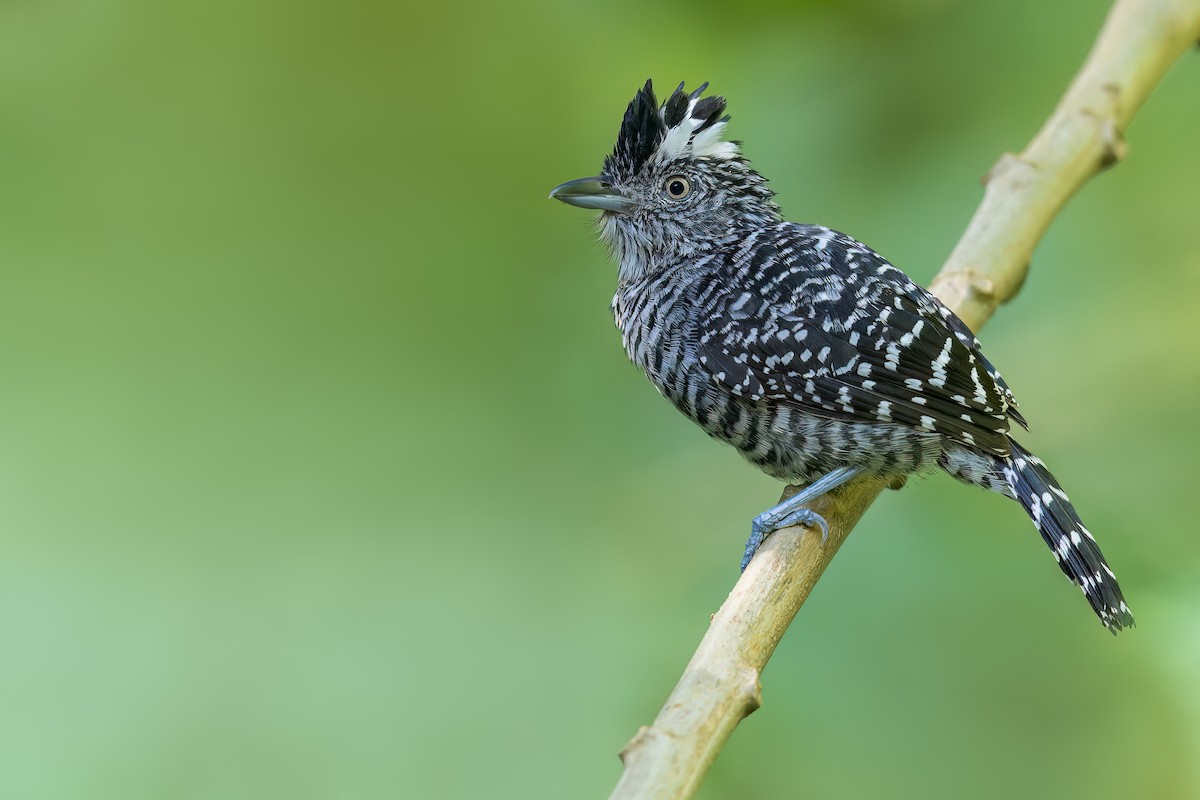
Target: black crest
{"x": 642, "y": 131}
{"x": 645, "y": 126}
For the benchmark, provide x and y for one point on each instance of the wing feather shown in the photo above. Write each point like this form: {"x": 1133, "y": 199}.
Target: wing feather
{"x": 850, "y": 337}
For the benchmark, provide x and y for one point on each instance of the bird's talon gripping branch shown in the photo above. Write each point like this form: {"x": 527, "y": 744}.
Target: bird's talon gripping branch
{"x": 764, "y": 525}
{"x": 792, "y": 511}
{"x": 758, "y": 532}
{"x": 801, "y": 346}
{"x": 806, "y": 516}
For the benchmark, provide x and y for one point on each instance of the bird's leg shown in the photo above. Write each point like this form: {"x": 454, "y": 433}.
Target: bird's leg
{"x": 790, "y": 511}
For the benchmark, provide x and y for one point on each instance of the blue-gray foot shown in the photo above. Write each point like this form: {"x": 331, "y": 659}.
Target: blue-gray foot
{"x": 792, "y": 511}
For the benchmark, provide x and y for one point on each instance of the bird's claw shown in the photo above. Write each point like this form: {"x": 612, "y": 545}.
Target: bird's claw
{"x": 763, "y": 526}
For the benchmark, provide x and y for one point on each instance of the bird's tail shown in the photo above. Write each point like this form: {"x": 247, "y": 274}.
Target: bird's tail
{"x": 1076, "y": 551}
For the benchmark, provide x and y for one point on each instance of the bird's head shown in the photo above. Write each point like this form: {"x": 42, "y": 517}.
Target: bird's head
{"x": 672, "y": 188}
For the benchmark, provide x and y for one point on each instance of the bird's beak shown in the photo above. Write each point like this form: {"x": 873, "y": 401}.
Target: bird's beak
{"x": 593, "y": 193}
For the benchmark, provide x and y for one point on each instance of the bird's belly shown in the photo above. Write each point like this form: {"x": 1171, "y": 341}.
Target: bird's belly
{"x": 794, "y": 445}
{"x": 780, "y": 437}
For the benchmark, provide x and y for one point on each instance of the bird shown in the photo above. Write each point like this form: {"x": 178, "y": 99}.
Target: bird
{"x": 803, "y": 348}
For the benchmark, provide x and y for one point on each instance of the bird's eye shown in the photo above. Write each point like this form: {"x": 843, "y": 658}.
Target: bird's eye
{"x": 677, "y": 187}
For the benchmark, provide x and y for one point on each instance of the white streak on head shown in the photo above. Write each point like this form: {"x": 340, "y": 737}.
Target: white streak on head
{"x": 708, "y": 144}
{"x": 682, "y": 141}
{"x": 676, "y": 144}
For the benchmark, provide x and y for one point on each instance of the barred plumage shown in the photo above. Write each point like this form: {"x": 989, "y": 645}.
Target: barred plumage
{"x": 798, "y": 345}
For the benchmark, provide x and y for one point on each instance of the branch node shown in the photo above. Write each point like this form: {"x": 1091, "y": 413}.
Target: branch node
{"x": 639, "y": 739}
{"x": 752, "y": 690}
{"x": 1008, "y": 162}
{"x": 1111, "y": 139}
{"x": 1115, "y": 146}
{"x": 967, "y": 284}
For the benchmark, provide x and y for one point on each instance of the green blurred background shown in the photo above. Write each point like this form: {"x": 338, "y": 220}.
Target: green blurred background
{"x": 323, "y": 474}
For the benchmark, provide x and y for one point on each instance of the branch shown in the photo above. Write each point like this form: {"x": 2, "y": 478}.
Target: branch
{"x": 720, "y": 686}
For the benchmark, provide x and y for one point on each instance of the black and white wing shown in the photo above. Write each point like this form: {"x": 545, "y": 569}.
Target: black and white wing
{"x": 826, "y": 323}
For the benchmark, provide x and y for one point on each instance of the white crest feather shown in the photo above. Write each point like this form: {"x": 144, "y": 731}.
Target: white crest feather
{"x": 709, "y": 144}
{"x": 682, "y": 141}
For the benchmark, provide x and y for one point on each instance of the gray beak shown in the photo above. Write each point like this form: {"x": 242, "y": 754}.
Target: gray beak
{"x": 592, "y": 193}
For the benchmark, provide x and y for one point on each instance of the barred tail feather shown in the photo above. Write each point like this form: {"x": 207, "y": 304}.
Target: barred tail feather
{"x": 1076, "y": 551}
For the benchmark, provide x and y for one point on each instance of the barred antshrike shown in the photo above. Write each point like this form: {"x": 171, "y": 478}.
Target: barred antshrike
{"x": 800, "y": 346}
